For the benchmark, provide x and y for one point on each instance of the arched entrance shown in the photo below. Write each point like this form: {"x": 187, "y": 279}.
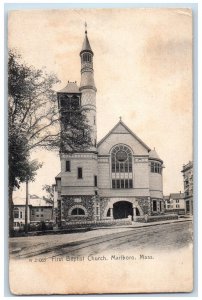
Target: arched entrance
{"x": 122, "y": 209}
{"x": 118, "y": 208}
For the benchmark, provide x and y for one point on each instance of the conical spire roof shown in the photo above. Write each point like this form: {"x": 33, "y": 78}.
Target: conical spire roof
{"x": 153, "y": 155}
{"x": 86, "y": 44}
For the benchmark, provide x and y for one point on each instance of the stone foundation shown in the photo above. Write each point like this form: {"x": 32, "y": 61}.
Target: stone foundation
{"x": 158, "y": 212}
{"x": 103, "y": 205}
{"x": 86, "y": 203}
{"x": 145, "y": 205}
{"x": 96, "y": 208}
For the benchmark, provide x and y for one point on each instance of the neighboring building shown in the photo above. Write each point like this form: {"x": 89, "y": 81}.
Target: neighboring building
{"x": 41, "y": 210}
{"x": 166, "y": 200}
{"x": 38, "y": 210}
{"x": 118, "y": 177}
{"x": 175, "y": 203}
{"x": 187, "y": 172}
{"x": 19, "y": 213}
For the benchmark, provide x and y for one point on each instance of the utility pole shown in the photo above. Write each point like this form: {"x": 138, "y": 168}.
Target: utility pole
{"x": 26, "y": 207}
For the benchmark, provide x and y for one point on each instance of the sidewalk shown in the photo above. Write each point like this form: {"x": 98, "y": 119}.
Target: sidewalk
{"x": 137, "y": 225}
{"x": 87, "y": 229}
{"x": 148, "y": 224}
{"x": 21, "y": 245}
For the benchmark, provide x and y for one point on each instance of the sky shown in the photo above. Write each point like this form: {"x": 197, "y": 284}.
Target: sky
{"x": 142, "y": 68}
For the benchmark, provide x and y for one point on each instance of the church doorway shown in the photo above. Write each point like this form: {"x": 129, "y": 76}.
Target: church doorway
{"x": 122, "y": 209}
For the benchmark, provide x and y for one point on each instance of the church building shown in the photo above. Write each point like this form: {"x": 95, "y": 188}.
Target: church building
{"x": 119, "y": 177}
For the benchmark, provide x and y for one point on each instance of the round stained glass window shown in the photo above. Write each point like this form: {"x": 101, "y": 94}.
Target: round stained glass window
{"x": 121, "y": 156}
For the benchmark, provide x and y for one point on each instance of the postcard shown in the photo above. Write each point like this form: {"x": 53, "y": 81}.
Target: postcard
{"x": 100, "y": 151}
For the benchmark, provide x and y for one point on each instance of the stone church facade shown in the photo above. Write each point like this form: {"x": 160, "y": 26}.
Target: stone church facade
{"x": 116, "y": 178}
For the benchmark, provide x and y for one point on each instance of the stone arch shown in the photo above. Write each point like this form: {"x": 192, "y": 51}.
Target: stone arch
{"x": 111, "y": 202}
{"x": 77, "y": 206}
{"x": 123, "y": 209}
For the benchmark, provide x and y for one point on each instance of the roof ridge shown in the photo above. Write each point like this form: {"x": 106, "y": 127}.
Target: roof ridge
{"x": 128, "y": 129}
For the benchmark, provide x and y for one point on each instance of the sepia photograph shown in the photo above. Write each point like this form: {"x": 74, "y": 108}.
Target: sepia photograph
{"x": 100, "y": 149}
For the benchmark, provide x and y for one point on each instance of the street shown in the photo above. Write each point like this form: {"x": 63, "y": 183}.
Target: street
{"x": 163, "y": 237}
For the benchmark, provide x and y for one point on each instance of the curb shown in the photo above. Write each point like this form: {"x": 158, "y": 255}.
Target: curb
{"x": 85, "y": 229}
{"x": 164, "y": 222}
{"x": 146, "y": 224}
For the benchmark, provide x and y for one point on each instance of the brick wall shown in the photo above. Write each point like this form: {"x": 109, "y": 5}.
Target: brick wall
{"x": 41, "y": 213}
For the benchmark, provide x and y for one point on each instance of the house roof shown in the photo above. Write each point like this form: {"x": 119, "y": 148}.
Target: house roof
{"x": 127, "y": 129}
{"x": 35, "y": 201}
{"x": 71, "y": 88}
{"x": 187, "y": 166}
{"x": 177, "y": 195}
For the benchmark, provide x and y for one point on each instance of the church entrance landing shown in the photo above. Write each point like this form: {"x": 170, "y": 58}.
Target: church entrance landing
{"x": 122, "y": 209}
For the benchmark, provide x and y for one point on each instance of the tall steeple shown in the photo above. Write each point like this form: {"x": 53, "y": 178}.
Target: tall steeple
{"x": 87, "y": 72}
{"x": 87, "y": 86}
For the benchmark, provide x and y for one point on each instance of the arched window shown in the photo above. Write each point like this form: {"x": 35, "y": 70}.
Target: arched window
{"x": 90, "y": 57}
{"x": 121, "y": 167}
{"x": 78, "y": 212}
{"x": 87, "y": 57}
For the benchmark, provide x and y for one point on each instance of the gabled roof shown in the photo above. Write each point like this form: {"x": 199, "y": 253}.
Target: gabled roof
{"x": 71, "y": 88}
{"x": 39, "y": 202}
{"x": 177, "y": 195}
{"x": 36, "y": 201}
{"x": 128, "y": 130}
{"x": 187, "y": 166}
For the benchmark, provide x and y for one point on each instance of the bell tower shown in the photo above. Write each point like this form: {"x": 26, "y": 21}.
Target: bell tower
{"x": 77, "y": 183}
{"x": 88, "y": 89}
